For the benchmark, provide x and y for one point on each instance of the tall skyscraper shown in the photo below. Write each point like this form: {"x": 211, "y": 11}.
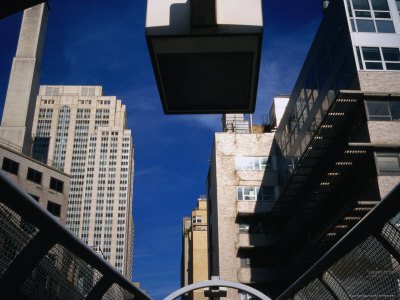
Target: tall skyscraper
{"x": 84, "y": 134}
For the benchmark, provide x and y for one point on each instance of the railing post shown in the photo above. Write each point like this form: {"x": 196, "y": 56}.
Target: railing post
{"x": 23, "y": 265}
{"x": 99, "y": 289}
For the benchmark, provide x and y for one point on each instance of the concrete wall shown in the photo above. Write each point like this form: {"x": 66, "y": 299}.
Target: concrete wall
{"x": 375, "y": 81}
{"x": 41, "y": 190}
{"x": 225, "y": 207}
{"x": 384, "y": 132}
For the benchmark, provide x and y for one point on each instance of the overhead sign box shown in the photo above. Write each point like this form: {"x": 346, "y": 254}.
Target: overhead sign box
{"x": 205, "y": 54}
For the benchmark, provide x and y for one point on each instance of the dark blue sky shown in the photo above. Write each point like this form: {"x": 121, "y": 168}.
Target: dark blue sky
{"x": 102, "y": 42}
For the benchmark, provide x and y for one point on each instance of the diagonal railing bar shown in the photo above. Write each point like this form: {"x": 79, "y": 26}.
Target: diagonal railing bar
{"x": 371, "y": 224}
{"x": 23, "y": 265}
{"x": 19, "y": 201}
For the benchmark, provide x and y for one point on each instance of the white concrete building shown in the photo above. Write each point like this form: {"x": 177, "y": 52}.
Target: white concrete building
{"x": 83, "y": 133}
{"x": 242, "y": 187}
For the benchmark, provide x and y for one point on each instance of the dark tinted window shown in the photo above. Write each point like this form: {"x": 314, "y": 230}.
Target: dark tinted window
{"x": 34, "y": 176}
{"x": 385, "y": 26}
{"x": 388, "y": 163}
{"x": 365, "y": 25}
{"x": 379, "y": 4}
{"x": 391, "y": 54}
{"x": 378, "y": 111}
{"x": 360, "y": 4}
{"x": 54, "y": 208}
{"x": 10, "y": 166}
{"x": 56, "y": 184}
{"x": 371, "y": 53}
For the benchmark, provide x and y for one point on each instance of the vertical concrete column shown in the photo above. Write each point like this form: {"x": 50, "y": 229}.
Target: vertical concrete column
{"x": 23, "y": 86}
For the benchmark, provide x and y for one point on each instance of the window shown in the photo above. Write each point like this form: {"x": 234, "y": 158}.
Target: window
{"x": 245, "y": 262}
{"x": 10, "y": 166}
{"x": 391, "y": 57}
{"x": 251, "y": 228}
{"x": 371, "y": 16}
{"x": 34, "y": 176}
{"x": 56, "y": 184}
{"x": 383, "y": 110}
{"x": 253, "y": 163}
{"x": 244, "y": 228}
{"x": 388, "y": 163}
{"x": 249, "y": 193}
{"x": 398, "y": 5}
{"x": 54, "y": 208}
{"x": 376, "y": 58}
{"x": 196, "y": 219}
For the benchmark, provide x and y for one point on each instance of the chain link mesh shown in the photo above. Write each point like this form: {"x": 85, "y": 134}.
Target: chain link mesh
{"x": 117, "y": 292}
{"x": 334, "y": 285}
{"x": 15, "y": 234}
{"x": 315, "y": 290}
{"x": 60, "y": 275}
{"x": 368, "y": 272}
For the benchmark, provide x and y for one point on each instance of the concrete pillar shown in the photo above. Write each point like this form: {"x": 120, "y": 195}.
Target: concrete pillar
{"x": 23, "y": 86}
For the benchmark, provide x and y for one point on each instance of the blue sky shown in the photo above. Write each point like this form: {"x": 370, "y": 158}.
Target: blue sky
{"x": 102, "y": 42}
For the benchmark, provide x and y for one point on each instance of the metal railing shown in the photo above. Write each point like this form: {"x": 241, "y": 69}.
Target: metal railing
{"x": 41, "y": 259}
{"x": 364, "y": 264}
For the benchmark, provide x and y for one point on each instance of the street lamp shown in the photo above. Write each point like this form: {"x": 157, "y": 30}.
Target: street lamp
{"x": 205, "y": 54}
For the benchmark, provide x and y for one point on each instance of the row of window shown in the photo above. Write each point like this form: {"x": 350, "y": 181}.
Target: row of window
{"x": 370, "y": 58}
{"x": 370, "y": 16}
{"x": 251, "y": 193}
{"x": 383, "y": 110}
{"x": 253, "y": 163}
{"x": 33, "y": 175}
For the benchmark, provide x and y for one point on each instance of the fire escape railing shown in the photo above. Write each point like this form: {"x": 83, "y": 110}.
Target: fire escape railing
{"x": 364, "y": 264}
{"x": 40, "y": 258}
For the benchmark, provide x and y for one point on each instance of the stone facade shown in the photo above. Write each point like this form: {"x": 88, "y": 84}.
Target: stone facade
{"x": 195, "y": 249}
{"x": 375, "y": 81}
{"x": 226, "y": 210}
{"x": 83, "y": 133}
{"x": 39, "y": 189}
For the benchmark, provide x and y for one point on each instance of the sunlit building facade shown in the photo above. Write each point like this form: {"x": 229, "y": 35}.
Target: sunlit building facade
{"x": 83, "y": 133}
{"x": 242, "y": 188}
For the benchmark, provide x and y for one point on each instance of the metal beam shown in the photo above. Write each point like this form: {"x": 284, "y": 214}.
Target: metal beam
{"x": 99, "y": 289}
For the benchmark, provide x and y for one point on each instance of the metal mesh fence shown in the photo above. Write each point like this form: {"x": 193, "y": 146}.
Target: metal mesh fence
{"x": 15, "y": 234}
{"x": 117, "y": 292}
{"x": 60, "y": 275}
{"x": 315, "y": 290}
{"x": 368, "y": 272}
{"x": 334, "y": 285}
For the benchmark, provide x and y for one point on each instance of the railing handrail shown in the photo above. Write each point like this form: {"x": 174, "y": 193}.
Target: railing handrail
{"x": 371, "y": 224}
{"x": 32, "y": 211}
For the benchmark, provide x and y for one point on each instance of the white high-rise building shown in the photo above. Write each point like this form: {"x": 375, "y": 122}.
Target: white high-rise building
{"x": 84, "y": 133}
